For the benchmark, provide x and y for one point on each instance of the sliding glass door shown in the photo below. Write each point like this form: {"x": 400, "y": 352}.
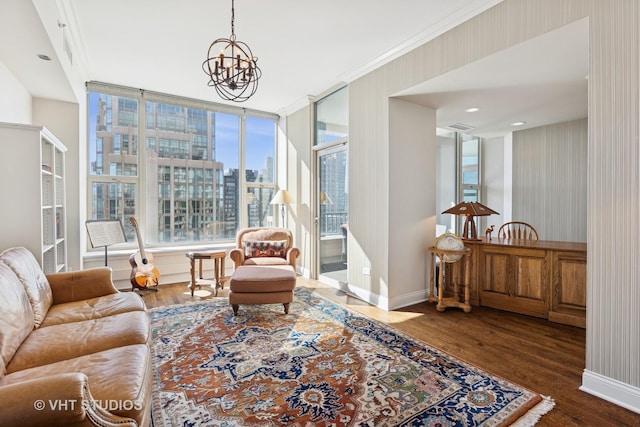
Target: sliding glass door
{"x": 332, "y": 208}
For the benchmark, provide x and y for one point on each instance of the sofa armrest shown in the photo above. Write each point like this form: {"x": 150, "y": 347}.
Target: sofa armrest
{"x": 292, "y": 256}
{"x": 80, "y": 285}
{"x": 56, "y": 400}
{"x": 237, "y": 256}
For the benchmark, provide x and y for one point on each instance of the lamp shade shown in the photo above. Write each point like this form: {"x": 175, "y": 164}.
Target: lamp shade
{"x": 471, "y": 208}
{"x": 282, "y": 197}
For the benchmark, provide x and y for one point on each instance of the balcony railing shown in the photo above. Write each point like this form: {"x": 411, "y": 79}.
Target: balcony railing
{"x": 331, "y": 223}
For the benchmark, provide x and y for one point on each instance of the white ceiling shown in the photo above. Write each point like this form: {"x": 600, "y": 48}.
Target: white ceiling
{"x": 304, "y": 48}
{"x": 539, "y": 82}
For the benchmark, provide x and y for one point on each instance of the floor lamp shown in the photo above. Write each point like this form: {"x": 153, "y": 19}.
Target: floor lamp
{"x": 281, "y": 198}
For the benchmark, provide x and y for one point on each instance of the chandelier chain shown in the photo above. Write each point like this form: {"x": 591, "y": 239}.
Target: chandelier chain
{"x": 233, "y": 15}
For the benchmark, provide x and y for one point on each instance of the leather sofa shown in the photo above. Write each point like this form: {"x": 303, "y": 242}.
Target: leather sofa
{"x": 74, "y": 351}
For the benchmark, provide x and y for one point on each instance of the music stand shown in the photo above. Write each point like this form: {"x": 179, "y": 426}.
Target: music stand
{"x": 105, "y": 232}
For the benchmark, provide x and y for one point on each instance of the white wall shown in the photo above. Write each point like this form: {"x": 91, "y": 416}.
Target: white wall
{"x": 300, "y": 170}
{"x": 613, "y": 200}
{"x": 412, "y": 204}
{"x": 550, "y": 180}
{"x": 539, "y": 176}
{"x": 15, "y": 102}
{"x": 493, "y": 182}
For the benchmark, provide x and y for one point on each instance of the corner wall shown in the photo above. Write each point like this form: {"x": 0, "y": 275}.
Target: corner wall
{"x": 412, "y": 207}
{"x": 300, "y": 170}
{"x": 613, "y": 201}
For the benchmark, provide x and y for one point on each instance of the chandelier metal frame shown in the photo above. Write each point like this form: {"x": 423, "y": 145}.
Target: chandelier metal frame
{"x": 232, "y": 69}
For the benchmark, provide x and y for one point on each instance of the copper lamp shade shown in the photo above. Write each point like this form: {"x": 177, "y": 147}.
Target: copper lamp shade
{"x": 469, "y": 210}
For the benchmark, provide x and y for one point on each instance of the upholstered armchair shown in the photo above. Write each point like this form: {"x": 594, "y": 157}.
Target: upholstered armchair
{"x": 264, "y": 246}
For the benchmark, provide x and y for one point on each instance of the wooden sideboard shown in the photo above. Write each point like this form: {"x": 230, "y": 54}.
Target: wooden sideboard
{"x": 539, "y": 278}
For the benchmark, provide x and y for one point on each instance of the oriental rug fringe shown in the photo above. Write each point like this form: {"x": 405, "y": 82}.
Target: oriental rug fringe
{"x": 320, "y": 365}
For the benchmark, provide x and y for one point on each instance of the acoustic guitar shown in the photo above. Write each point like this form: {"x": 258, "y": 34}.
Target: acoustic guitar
{"x": 144, "y": 275}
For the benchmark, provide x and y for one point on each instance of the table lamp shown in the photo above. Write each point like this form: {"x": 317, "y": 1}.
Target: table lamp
{"x": 469, "y": 210}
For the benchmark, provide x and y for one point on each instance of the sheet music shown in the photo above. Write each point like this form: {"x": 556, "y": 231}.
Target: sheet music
{"x": 105, "y": 232}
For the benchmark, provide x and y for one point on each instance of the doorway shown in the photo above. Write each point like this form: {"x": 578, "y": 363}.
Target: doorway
{"x": 332, "y": 198}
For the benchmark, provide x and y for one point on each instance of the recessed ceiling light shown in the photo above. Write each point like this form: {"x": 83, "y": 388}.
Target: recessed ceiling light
{"x": 44, "y": 57}
{"x": 517, "y": 123}
{"x": 472, "y": 110}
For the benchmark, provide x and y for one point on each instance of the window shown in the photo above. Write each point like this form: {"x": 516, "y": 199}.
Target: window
{"x": 469, "y": 163}
{"x": 183, "y": 183}
{"x": 260, "y": 174}
{"x": 332, "y": 117}
{"x": 458, "y": 176}
{"x": 446, "y": 180}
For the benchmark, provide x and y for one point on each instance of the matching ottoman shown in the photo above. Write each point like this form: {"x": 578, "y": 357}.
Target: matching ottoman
{"x": 258, "y": 284}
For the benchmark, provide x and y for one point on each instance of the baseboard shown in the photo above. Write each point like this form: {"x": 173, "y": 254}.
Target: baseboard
{"x": 614, "y": 391}
{"x": 364, "y": 295}
{"x": 380, "y": 301}
{"x": 304, "y": 272}
{"x": 406, "y": 300}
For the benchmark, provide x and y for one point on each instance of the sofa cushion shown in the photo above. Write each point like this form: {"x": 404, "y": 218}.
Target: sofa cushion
{"x": 120, "y": 375}
{"x": 272, "y": 278}
{"x": 68, "y": 340}
{"x": 266, "y": 261}
{"x": 26, "y": 267}
{"x": 94, "y": 308}
{"x": 265, "y": 248}
{"x": 16, "y": 315}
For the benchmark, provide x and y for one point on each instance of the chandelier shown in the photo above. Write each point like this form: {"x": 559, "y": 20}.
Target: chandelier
{"x": 231, "y": 67}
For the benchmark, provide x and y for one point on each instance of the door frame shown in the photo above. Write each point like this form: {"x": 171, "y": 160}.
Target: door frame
{"x": 319, "y": 151}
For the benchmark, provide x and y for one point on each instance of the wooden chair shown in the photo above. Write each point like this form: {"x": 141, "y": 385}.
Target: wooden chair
{"x": 517, "y": 230}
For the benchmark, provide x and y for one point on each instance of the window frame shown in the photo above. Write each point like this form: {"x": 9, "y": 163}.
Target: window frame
{"x": 457, "y": 139}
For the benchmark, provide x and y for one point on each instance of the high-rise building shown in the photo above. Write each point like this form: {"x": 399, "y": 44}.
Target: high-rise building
{"x": 181, "y": 175}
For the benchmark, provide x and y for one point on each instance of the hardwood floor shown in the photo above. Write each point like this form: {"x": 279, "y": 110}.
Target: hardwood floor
{"x": 543, "y": 356}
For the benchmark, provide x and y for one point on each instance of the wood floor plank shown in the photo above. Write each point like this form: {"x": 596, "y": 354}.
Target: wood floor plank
{"x": 543, "y": 356}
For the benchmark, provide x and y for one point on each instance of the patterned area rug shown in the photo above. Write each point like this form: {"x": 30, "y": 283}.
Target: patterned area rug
{"x": 320, "y": 365}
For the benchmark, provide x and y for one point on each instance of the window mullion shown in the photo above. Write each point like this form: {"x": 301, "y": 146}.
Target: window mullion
{"x": 244, "y": 189}
{"x": 141, "y": 198}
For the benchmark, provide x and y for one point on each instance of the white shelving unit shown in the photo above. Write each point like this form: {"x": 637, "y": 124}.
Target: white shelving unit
{"x": 32, "y": 169}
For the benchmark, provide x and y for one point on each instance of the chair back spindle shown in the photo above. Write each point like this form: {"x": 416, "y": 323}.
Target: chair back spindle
{"x": 517, "y": 230}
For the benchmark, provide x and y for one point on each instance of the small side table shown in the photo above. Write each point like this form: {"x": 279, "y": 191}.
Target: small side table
{"x": 218, "y": 258}
{"x": 457, "y": 264}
